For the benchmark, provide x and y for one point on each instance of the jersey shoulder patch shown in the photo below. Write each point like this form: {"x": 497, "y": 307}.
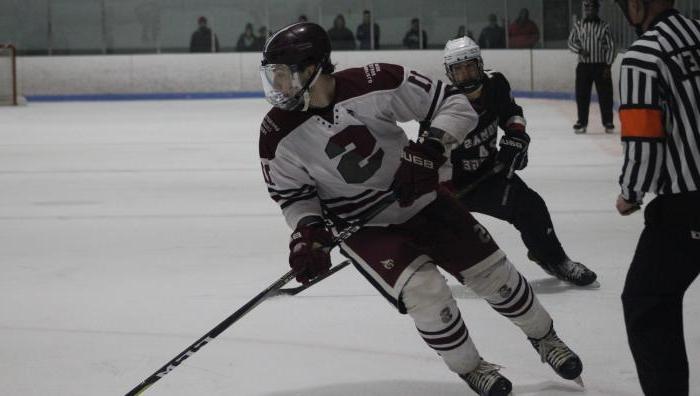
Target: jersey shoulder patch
{"x": 358, "y": 81}
{"x": 276, "y": 125}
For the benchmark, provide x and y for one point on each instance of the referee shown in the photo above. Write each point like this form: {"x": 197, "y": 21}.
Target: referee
{"x": 660, "y": 116}
{"x": 591, "y": 40}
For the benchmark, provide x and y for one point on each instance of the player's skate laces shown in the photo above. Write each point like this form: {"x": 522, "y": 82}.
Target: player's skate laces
{"x": 487, "y": 381}
{"x": 560, "y": 357}
{"x": 568, "y": 271}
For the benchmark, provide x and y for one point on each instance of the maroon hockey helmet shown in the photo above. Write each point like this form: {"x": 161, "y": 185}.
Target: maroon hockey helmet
{"x": 286, "y": 56}
{"x": 299, "y": 45}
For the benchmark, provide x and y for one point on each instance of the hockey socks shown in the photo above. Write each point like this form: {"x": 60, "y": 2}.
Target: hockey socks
{"x": 429, "y": 302}
{"x": 509, "y": 294}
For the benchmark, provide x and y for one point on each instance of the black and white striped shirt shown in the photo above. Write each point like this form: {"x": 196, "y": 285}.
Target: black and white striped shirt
{"x": 592, "y": 35}
{"x": 659, "y": 97}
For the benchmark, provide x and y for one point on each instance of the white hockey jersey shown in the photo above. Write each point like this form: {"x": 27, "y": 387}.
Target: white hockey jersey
{"x": 340, "y": 161}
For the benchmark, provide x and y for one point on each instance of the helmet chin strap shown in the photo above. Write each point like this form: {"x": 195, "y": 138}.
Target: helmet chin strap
{"x": 304, "y": 93}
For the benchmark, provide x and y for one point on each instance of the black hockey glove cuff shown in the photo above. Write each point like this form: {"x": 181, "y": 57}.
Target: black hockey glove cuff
{"x": 513, "y": 151}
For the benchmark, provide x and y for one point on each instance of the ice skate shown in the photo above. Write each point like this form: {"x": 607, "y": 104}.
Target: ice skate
{"x": 568, "y": 271}
{"x": 485, "y": 380}
{"x": 579, "y": 128}
{"x": 560, "y": 357}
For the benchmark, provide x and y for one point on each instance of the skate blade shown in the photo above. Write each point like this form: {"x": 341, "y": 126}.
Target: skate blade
{"x": 579, "y": 381}
{"x": 594, "y": 285}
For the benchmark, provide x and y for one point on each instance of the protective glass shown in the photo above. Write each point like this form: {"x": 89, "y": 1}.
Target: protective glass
{"x": 282, "y": 86}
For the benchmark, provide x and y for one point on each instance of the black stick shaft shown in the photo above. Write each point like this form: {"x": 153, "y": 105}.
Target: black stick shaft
{"x": 345, "y": 234}
{"x": 468, "y": 189}
{"x": 271, "y": 290}
{"x": 293, "y": 291}
{"x": 213, "y": 333}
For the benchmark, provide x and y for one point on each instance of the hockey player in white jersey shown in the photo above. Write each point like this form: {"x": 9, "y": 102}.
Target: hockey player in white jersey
{"x": 331, "y": 150}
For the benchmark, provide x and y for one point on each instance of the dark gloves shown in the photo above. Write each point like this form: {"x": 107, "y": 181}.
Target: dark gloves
{"x": 513, "y": 151}
{"x": 584, "y": 53}
{"x": 418, "y": 172}
{"x": 309, "y": 253}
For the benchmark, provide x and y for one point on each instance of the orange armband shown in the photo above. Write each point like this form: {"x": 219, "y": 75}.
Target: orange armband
{"x": 642, "y": 123}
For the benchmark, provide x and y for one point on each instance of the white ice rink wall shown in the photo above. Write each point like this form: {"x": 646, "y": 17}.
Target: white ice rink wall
{"x": 542, "y": 72}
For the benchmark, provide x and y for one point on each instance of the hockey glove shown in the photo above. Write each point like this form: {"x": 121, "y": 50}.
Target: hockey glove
{"x": 309, "y": 253}
{"x": 513, "y": 151}
{"x": 418, "y": 172}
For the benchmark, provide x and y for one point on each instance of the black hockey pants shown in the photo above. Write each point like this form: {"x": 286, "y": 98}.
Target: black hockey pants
{"x": 586, "y": 75}
{"x": 666, "y": 262}
{"x": 525, "y": 209}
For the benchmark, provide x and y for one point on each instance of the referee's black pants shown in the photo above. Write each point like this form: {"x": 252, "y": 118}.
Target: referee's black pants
{"x": 524, "y": 208}
{"x": 666, "y": 262}
{"x": 586, "y": 75}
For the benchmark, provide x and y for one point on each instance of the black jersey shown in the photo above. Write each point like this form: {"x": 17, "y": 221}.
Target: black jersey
{"x": 496, "y": 108}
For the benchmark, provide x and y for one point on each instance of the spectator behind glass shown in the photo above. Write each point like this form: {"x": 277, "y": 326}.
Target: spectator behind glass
{"x": 203, "y": 40}
{"x": 247, "y": 41}
{"x": 523, "y": 33}
{"x": 261, "y": 39}
{"x": 412, "y": 39}
{"x": 341, "y": 37}
{"x": 462, "y": 32}
{"x": 492, "y": 36}
{"x": 364, "y": 33}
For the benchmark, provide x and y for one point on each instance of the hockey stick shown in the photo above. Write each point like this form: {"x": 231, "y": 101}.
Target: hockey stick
{"x": 506, "y": 192}
{"x": 293, "y": 291}
{"x": 498, "y": 168}
{"x": 254, "y": 302}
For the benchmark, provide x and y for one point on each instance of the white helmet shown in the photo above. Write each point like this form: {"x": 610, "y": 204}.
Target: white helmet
{"x": 460, "y": 50}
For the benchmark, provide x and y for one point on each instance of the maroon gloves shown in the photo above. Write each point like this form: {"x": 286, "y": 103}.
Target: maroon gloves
{"x": 418, "y": 172}
{"x": 309, "y": 253}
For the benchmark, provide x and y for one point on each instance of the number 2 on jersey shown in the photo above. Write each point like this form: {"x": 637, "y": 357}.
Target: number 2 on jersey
{"x": 359, "y": 161}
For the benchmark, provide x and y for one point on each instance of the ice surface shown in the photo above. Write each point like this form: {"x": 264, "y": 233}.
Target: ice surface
{"x": 129, "y": 229}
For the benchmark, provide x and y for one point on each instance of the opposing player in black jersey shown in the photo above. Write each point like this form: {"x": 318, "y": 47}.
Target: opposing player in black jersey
{"x": 503, "y": 195}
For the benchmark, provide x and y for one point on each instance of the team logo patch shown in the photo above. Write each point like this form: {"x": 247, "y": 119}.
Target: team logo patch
{"x": 505, "y": 291}
{"x": 388, "y": 263}
{"x": 446, "y": 315}
{"x": 695, "y": 234}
